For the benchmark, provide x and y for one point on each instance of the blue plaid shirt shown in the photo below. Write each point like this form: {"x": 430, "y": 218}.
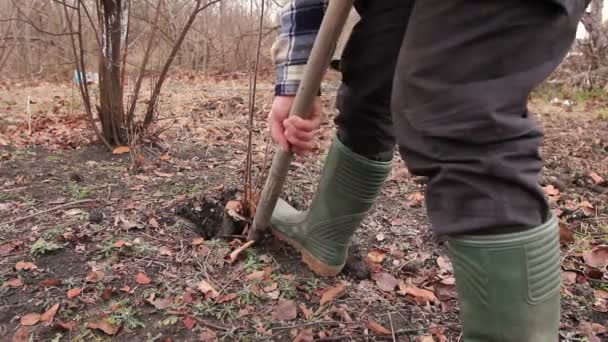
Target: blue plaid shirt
{"x": 300, "y": 22}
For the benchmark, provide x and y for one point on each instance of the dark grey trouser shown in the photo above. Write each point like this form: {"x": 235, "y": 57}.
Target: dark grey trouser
{"x": 449, "y": 81}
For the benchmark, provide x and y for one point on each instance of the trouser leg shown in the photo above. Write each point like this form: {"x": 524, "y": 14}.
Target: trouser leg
{"x": 463, "y": 77}
{"x": 462, "y": 81}
{"x": 367, "y": 65}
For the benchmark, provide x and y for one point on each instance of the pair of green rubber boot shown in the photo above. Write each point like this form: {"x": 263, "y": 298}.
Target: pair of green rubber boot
{"x": 508, "y": 285}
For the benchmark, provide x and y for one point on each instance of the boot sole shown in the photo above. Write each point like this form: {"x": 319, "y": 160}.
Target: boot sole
{"x": 317, "y": 266}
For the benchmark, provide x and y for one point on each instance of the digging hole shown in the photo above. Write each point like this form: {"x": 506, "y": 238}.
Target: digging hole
{"x": 210, "y": 216}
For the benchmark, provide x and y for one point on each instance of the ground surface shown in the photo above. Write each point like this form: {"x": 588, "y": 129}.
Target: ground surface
{"x": 96, "y": 246}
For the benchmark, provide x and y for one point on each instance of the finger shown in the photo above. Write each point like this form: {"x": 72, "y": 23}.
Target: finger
{"x": 302, "y": 124}
{"x": 293, "y": 134}
{"x": 302, "y": 145}
{"x": 278, "y": 136}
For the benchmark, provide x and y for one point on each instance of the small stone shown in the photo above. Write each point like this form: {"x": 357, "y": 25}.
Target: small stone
{"x": 95, "y": 216}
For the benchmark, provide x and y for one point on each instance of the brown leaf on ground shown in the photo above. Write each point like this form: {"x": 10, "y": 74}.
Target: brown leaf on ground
{"x": 597, "y": 179}
{"x": 30, "y": 319}
{"x": 255, "y": 275}
{"x": 164, "y": 250}
{"x": 142, "y": 279}
{"x": 121, "y": 150}
{"x": 50, "y": 313}
{"x": 66, "y": 326}
{"x": 235, "y": 254}
{"x": 421, "y": 296}
{"x": 163, "y": 174}
{"x": 286, "y": 310}
{"x": 305, "y": 311}
{"x": 22, "y": 335}
{"x": 305, "y": 335}
{"x": 207, "y": 290}
{"x": 105, "y": 326}
{"x": 332, "y": 293}
{"x": 188, "y": 297}
{"x": 75, "y": 292}
{"x": 598, "y": 257}
{"x": 385, "y": 281}
{"x": 189, "y": 322}
{"x": 120, "y": 244}
{"x": 426, "y": 338}
{"x": 565, "y": 235}
{"x": 377, "y": 328}
{"x": 50, "y": 282}
{"x": 15, "y": 282}
{"x": 22, "y": 265}
{"x": 550, "y": 190}
{"x": 7, "y": 248}
{"x": 198, "y": 241}
{"x": 161, "y": 303}
{"x": 415, "y": 199}
{"x": 374, "y": 259}
{"x": 569, "y": 277}
{"x": 207, "y": 335}
{"x": 95, "y": 276}
{"x": 107, "y": 293}
{"x": 227, "y": 297}
{"x": 444, "y": 265}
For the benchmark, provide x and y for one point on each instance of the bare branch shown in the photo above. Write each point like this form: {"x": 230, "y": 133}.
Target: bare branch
{"x": 27, "y": 21}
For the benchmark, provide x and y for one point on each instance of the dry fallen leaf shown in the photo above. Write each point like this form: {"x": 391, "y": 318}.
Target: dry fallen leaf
{"x": 385, "y": 281}
{"x": 376, "y": 256}
{"x": 305, "y": 311}
{"x": 377, "y": 328}
{"x": 286, "y": 310}
{"x": 597, "y": 179}
{"x": 569, "y": 277}
{"x": 121, "y": 150}
{"x": 30, "y": 319}
{"x": 207, "y": 289}
{"x": 332, "y": 293}
{"x": 22, "y": 265}
{"x": 163, "y": 174}
{"x": 421, "y": 296}
{"x": 22, "y": 335}
{"x": 161, "y": 303}
{"x": 550, "y": 190}
{"x": 95, "y": 276}
{"x": 15, "y": 282}
{"x": 119, "y": 244}
{"x": 50, "y": 313}
{"x": 208, "y": 335}
{"x": 164, "y": 250}
{"x": 105, "y": 326}
{"x": 305, "y": 335}
{"x": 72, "y": 293}
{"x": 444, "y": 264}
{"x": 142, "y": 279}
{"x": 255, "y": 275}
{"x": 189, "y": 322}
{"x": 565, "y": 235}
{"x": 415, "y": 199}
{"x": 50, "y": 282}
{"x": 598, "y": 257}
{"x": 426, "y": 338}
{"x": 198, "y": 241}
{"x": 227, "y": 297}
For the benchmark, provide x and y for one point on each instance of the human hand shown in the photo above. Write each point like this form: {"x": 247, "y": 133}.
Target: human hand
{"x": 293, "y": 133}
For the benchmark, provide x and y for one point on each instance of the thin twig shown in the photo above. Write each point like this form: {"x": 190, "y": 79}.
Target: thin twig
{"x": 48, "y": 211}
{"x": 221, "y": 291}
{"x": 397, "y": 333}
{"x": 390, "y": 319}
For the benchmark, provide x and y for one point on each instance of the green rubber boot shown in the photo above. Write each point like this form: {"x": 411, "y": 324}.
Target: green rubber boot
{"x": 509, "y": 285}
{"x": 348, "y": 187}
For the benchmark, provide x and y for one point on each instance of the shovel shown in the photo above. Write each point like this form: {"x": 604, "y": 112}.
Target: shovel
{"x": 329, "y": 32}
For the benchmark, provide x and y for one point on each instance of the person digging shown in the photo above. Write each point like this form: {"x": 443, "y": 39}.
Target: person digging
{"x": 448, "y": 82}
